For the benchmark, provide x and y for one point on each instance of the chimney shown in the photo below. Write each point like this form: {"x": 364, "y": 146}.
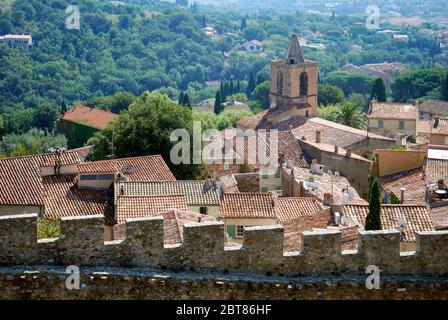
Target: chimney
{"x": 348, "y": 152}
{"x": 402, "y": 190}
{"x": 317, "y": 136}
{"x": 436, "y": 121}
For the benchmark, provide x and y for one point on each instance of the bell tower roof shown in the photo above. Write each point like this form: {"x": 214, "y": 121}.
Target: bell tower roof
{"x": 294, "y": 53}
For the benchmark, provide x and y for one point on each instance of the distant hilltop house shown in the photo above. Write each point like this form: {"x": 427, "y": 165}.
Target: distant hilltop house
{"x": 81, "y": 122}
{"x": 383, "y": 70}
{"x": 209, "y": 31}
{"x": 17, "y": 40}
{"x": 253, "y": 46}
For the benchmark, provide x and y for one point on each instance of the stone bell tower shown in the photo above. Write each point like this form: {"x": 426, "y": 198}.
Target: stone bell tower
{"x": 294, "y": 83}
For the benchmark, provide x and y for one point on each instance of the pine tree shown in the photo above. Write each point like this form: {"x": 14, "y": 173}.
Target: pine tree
{"x": 444, "y": 88}
{"x": 181, "y": 98}
{"x": 373, "y": 219}
{"x": 186, "y": 101}
{"x": 218, "y": 103}
{"x": 251, "y": 85}
{"x": 379, "y": 91}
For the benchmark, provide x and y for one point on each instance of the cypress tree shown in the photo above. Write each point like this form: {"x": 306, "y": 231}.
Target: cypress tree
{"x": 218, "y": 103}
{"x": 186, "y": 101}
{"x": 444, "y": 88}
{"x": 181, "y": 98}
{"x": 226, "y": 92}
{"x": 379, "y": 91}
{"x": 251, "y": 85}
{"x": 243, "y": 23}
{"x": 231, "y": 88}
{"x": 373, "y": 219}
{"x": 63, "y": 107}
{"x": 238, "y": 87}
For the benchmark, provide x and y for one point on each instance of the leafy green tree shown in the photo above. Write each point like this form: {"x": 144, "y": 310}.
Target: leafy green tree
{"x": 373, "y": 219}
{"x": 218, "y": 103}
{"x": 350, "y": 82}
{"x": 45, "y": 116}
{"x": 350, "y": 115}
{"x": 147, "y": 126}
{"x": 329, "y": 94}
{"x": 444, "y": 88}
{"x": 378, "y": 91}
{"x": 261, "y": 94}
{"x": 251, "y": 85}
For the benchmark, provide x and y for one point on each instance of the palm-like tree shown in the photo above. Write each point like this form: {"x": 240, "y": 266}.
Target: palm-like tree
{"x": 350, "y": 115}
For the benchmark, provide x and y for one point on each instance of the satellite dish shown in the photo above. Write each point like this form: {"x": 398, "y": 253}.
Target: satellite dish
{"x": 402, "y": 223}
{"x": 347, "y": 196}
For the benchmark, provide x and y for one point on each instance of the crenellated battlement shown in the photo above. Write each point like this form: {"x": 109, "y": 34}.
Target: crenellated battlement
{"x": 82, "y": 244}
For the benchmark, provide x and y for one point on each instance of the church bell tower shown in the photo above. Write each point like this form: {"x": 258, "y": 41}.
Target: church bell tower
{"x": 294, "y": 83}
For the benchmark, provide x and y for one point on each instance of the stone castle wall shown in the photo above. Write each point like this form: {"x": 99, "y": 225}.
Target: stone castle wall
{"x": 202, "y": 251}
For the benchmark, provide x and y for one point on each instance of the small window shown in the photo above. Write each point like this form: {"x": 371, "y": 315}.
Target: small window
{"x": 278, "y": 188}
{"x": 422, "y": 116}
{"x": 264, "y": 176}
{"x": 86, "y": 177}
{"x": 307, "y": 113}
{"x": 380, "y": 124}
{"x": 239, "y": 231}
{"x": 401, "y": 125}
{"x": 430, "y": 116}
{"x": 203, "y": 210}
{"x": 106, "y": 177}
{"x": 264, "y": 189}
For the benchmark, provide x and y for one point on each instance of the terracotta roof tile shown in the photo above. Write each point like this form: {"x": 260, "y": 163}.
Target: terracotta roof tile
{"x": 91, "y": 117}
{"x": 62, "y": 198}
{"x": 130, "y": 207}
{"x": 439, "y": 217}
{"x": 437, "y": 169}
{"x": 417, "y": 218}
{"x": 247, "y": 205}
{"x": 384, "y": 110}
{"x": 20, "y": 180}
{"x": 434, "y": 106}
{"x": 197, "y": 192}
{"x": 412, "y": 181}
{"x": 290, "y": 208}
{"x": 146, "y": 168}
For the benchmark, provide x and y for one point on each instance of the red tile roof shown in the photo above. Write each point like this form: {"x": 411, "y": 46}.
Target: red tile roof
{"x": 401, "y": 111}
{"x": 130, "y": 207}
{"x": 20, "y": 181}
{"x": 439, "y": 217}
{"x": 290, "y": 208}
{"x": 416, "y": 217}
{"x": 146, "y": 168}
{"x": 247, "y": 206}
{"x": 62, "y": 198}
{"x": 412, "y": 181}
{"x": 91, "y": 117}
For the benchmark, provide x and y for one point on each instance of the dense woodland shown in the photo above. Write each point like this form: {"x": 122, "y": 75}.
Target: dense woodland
{"x": 122, "y": 51}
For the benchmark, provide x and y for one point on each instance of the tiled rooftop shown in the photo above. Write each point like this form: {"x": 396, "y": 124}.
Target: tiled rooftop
{"x": 62, "y": 198}
{"x": 434, "y": 106}
{"x": 412, "y": 181}
{"x": 196, "y": 192}
{"x": 146, "y": 168}
{"x": 290, "y": 208}
{"x": 437, "y": 169}
{"x": 20, "y": 180}
{"x": 130, "y": 207}
{"x": 384, "y": 110}
{"x": 416, "y": 217}
{"x": 91, "y": 117}
{"x": 247, "y": 206}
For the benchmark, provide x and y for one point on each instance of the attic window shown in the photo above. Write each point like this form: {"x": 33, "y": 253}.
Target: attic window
{"x": 291, "y": 61}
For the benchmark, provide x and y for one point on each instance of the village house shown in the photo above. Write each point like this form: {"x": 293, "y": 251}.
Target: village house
{"x": 328, "y": 188}
{"x": 428, "y": 109}
{"x": 81, "y": 122}
{"x": 394, "y": 120}
{"x": 17, "y": 40}
{"x": 239, "y": 210}
{"x": 201, "y": 196}
{"x": 408, "y": 219}
{"x": 348, "y": 164}
{"x": 384, "y": 70}
{"x": 439, "y": 131}
{"x": 252, "y": 46}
